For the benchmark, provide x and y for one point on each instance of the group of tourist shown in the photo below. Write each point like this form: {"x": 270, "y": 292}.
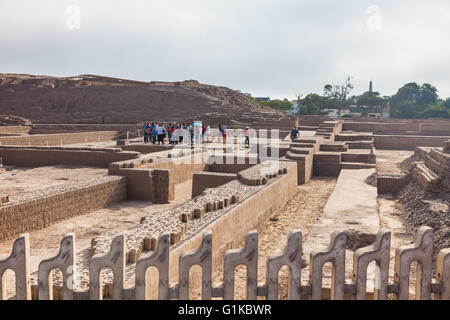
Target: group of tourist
{"x": 161, "y": 133}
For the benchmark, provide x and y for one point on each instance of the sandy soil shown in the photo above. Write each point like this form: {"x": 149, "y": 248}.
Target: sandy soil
{"x": 388, "y": 160}
{"x": 15, "y": 180}
{"x": 45, "y": 243}
{"x": 391, "y": 211}
{"x": 300, "y": 212}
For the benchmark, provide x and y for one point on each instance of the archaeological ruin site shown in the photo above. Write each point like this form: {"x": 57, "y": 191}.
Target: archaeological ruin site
{"x": 352, "y": 209}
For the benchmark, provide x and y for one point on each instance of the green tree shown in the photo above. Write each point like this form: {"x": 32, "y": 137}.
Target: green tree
{"x": 371, "y": 100}
{"x": 446, "y": 103}
{"x": 338, "y": 94}
{"x": 312, "y": 104}
{"x": 279, "y": 104}
{"x": 411, "y": 100}
{"x": 435, "y": 112}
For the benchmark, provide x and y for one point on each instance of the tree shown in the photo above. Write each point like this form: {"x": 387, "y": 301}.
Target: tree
{"x": 435, "y": 112}
{"x": 411, "y": 100}
{"x": 446, "y": 103}
{"x": 279, "y": 104}
{"x": 312, "y": 104}
{"x": 338, "y": 94}
{"x": 371, "y": 100}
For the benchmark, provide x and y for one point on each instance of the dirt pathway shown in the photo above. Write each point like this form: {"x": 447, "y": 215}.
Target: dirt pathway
{"x": 300, "y": 212}
{"x": 45, "y": 243}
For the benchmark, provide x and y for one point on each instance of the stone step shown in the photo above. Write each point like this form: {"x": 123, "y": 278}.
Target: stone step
{"x": 301, "y": 150}
{"x": 295, "y": 156}
{"x": 334, "y": 146}
{"x": 360, "y": 144}
{"x": 307, "y": 128}
{"x": 325, "y": 129}
{"x": 440, "y": 156}
{"x": 302, "y": 145}
{"x": 425, "y": 177}
{"x": 436, "y": 166}
{"x": 356, "y": 157}
{"x": 353, "y": 137}
{"x": 324, "y": 135}
{"x": 310, "y": 140}
{"x": 357, "y": 165}
{"x": 331, "y": 157}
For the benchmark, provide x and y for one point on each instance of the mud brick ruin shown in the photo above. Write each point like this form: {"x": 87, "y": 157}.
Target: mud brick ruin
{"x": 83, "y": 198}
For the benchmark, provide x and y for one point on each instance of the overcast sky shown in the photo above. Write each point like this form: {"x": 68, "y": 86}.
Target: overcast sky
{"x": 275, "y": 48}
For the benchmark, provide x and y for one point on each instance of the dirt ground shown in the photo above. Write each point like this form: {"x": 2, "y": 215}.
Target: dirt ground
{"x": 300, "y": 212}
{"x": 392, "y": 212}
{"x": 45, "y": 243}
{"x": 15, "y": 180}
{"x": 388, "y": 160}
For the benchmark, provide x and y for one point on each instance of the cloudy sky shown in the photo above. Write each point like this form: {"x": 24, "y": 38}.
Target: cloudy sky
{"x": 275, "y": 48}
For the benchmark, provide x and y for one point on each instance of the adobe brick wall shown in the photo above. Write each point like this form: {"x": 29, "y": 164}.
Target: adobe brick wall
{"x": 203, "y": 180}
{"x": 39, "y": 157}
{"x": 182, "y": 170}
{"x": 386, "y": 128}
{"x": 55, "y": 139}
{"x": 86, "y": 127}
{"x": 230, "y": 229}
{"x": 435, "y": 128}
{"x": 147, "y": 148}
{"x": 390, "y": 183}
{"x": 327, "y": 165}
{"x": 38, "y": 210}
{"x": 231, "y": 165}
{"x": 396, "y": 142}
{"x": 14, "y": 129}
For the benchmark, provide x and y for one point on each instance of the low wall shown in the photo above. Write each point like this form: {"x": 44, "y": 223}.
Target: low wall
{"x": 230, "y": 229}
{"x": 86, "y": 127}
{"x": 439, "y": 128}
{"x": 143, "y": 173}
{"x": 232, "y": 164}
{"x": 380, "y": 127}
{"x": 203, "y": 180}
{"x": 183, "y": 170}
{"x": 56, "y": 139}
{"x": 15, "y": 129}
{"x": 29, "y": 157}
{"x": 149, "y": 185}
{"x": 396, "y": 142}
{"x": 390, "y": 183}
{"x": 147, "y": 148}
{"x": 37, "y": 211}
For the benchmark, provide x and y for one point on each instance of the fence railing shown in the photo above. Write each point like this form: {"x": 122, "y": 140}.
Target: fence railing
{"x": 427, "y": 287}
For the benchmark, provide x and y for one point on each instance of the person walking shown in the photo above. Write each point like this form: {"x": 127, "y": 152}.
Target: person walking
{"x": 294, "y": 134}
{"x": 247, "y": 137}
{"x": 223, "y": 129}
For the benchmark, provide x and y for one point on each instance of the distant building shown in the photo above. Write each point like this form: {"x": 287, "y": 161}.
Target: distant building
{"x": 263, "y": 99}
{"x": 334, "y": 113}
